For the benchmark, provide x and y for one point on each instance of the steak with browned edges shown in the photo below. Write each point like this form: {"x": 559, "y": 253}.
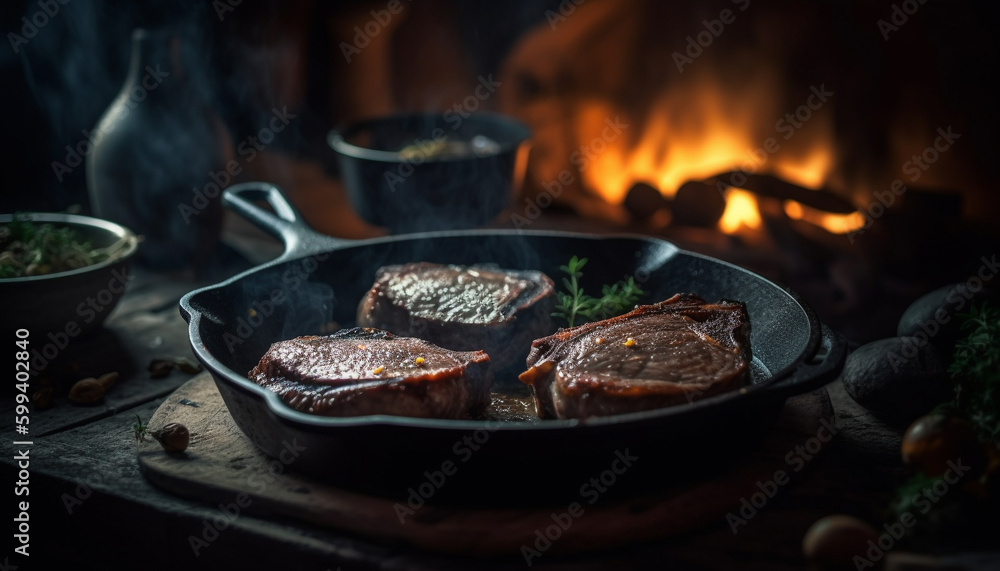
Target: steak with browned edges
{"x": 676, "y": 351}
{"x": 364, "y": 371}
{"x": 463, "y": 308}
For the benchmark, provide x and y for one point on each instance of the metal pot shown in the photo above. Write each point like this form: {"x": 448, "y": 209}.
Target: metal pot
{"x": 402, "y": 171}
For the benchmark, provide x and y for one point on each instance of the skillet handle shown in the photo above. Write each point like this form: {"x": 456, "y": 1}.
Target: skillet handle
{"x": 285, "y": 223}
{"x": 823, "y": 367}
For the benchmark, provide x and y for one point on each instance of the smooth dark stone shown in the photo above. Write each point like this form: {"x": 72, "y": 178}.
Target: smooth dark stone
{"x": 898, "y": 378}
{"x": 936, "y": 316}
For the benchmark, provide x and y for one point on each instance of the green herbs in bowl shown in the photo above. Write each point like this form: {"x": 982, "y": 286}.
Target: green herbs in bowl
{"x": 62, "y": 273}
{"x": 29, "y": 248}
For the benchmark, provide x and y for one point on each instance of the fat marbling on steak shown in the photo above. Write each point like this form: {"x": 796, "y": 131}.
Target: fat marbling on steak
{"x": 363, "y": 371}
{"x": 676, "y": 351}
{"x": 463, "y": 308}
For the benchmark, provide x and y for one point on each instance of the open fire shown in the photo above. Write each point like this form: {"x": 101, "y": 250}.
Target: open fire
{"x": 691, "y": 106}
{"x": 697, "y": 135}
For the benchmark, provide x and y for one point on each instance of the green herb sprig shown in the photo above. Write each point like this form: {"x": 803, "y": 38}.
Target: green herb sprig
{"x": 574, "y": 303}
{"x": 975, "y": 369}
{"x": 140, "y": 430}
{"x": 975, "y": 374}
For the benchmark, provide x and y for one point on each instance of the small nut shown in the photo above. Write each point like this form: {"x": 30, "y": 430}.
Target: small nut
{"x": 42, "y": 398}
{"x": 833, "y": 542}
{"x": 188, "y": 366}
{"x": 174, "y": 437}
{"x": 86, "y": 391}
{"x": 159, "y": 368}
{"x": 108, "y": 380}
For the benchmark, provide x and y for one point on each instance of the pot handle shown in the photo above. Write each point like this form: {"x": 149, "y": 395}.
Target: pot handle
{"x": 285, "y": 223}
{"x": 822, "y": 367}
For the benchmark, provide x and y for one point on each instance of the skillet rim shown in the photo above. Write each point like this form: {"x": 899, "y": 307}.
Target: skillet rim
{"x": 314, "y": 422}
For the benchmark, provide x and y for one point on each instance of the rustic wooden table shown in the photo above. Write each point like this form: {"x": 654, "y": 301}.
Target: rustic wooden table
{"x": 90, "y": 504}
{"x": 91, "y": 507}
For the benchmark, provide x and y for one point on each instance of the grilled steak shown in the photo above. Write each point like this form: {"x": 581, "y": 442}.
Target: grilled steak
{"x": 676, "y": 351}
{"x": 463, "y": 308}
{"x": 362, "y": 371}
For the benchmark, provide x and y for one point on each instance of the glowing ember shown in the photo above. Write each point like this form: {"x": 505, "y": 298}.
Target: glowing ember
{"x": 741, "y": 210}
{"x": 794, "y": 210}
{"x": 833, "y": 223}
{"x": 812, "y": 172}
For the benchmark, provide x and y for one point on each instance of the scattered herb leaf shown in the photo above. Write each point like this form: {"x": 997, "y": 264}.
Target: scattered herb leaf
{"x": 140, "y": 430}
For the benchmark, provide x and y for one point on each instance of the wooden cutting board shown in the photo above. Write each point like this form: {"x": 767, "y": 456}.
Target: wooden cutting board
{"x": 222, "y": 467}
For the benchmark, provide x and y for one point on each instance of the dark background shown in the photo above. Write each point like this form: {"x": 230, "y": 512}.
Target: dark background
{"x": 66, "y": 76}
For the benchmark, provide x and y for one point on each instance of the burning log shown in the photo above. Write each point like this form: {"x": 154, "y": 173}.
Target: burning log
{"x": 703, "y": 203}
{"x": 696, "y": 204}
{"x": 774, "y": 187}
{"x": 643, "y": 200}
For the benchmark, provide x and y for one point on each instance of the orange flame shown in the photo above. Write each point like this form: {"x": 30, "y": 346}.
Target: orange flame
{"x": 811, "y": 171}
{"x": 683, "y": 139}
{"x": 741, "y": 210}
{"x": 703, "y": 130}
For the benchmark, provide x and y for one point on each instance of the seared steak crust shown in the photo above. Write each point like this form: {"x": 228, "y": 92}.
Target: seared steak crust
{"x": 676, "y": 351}
{"x": 364, "y": 371}
{"x": 463, "y": 308}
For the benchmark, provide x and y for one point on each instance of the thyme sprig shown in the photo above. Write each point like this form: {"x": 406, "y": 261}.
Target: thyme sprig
{"x": 574, "y": 303}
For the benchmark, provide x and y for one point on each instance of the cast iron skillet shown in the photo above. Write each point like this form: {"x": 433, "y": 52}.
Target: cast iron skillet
{"x": 319, "y": 279}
